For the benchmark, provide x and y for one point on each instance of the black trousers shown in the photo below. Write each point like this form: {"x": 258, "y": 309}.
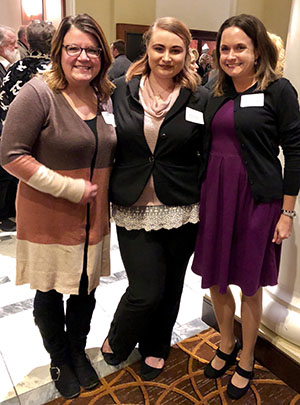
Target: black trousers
{"x": 64, "y": 334}
{"x": 155, "y": 263}
{"x": 8, "y": 190}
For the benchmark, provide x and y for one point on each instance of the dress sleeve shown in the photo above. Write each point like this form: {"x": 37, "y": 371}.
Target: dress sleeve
{"x": 25, "y": 119}
{"x": 289, "y": 129}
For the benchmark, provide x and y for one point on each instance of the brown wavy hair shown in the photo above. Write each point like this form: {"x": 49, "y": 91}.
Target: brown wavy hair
{"x": 55, "y": 77}
{"x": 265, "y": 66}
{"x": 185, "y": 77}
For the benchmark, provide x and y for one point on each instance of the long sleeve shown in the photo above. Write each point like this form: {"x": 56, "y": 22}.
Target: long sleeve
{"x": 27, "y": 117}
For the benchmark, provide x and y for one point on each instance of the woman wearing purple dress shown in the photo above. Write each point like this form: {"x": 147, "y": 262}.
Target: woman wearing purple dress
{"x": 247, "y": 206}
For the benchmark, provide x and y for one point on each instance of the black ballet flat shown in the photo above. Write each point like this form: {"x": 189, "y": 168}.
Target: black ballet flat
{"x": 235, "y": 392}
{"x": 110, "y": 358}
{"x": 148, "y": 373}
{"x": 230, "y": 360}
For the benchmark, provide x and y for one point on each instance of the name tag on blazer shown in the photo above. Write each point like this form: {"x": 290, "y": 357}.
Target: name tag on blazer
{"x": 109, "y": 118}
{"x": 252, "y": 100}
{"x": 194, "y": 116}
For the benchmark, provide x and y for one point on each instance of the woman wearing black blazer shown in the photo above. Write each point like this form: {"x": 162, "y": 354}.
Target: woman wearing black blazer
{"x": 155, "y": 192}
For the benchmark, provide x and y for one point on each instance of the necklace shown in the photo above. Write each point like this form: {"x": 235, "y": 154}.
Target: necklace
{"x": 160, "y": 93}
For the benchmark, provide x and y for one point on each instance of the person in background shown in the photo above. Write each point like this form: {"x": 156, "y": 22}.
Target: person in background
{"x": 247, "y": 205}
{"x": 213, "y": 73}
{"x": 8, "y": 49}
{"x": 121, "y": 62}
{"x": 278, "y": 42}
{"x": 204, "y": 67}
{"x": 155, "y": 191}
{"x": 23, "y": 45}
{"x": 8, "y": 54}
{"x": 40, "y": 35}
{"x": 194, "y": 57}
{"x": 59, "y": 141}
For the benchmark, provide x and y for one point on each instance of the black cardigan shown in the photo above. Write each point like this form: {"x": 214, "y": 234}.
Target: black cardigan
{"x": 260, "y": 131}
{"x": 175, "y": 162}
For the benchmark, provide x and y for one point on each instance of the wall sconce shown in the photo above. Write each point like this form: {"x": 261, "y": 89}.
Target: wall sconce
{"x": 32, "y": 10}
{"x": 52, "y": 10}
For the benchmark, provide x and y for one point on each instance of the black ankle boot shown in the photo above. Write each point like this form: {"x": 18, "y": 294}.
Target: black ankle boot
{"x": 84, "y": 371}
{"x": 65, "y": 380}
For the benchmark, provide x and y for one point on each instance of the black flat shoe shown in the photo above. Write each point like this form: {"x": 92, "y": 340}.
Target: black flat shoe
{"x": 84, "y": 371}
{"x": 65, "y": 380}
{"x": 230, "y": 360}
{"x": 110, "y": 358}
{"x": 148, "y": 373}
{"x": 235, "y": 392}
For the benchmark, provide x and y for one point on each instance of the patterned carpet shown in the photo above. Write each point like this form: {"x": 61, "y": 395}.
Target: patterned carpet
{"x": 182, "y": 382}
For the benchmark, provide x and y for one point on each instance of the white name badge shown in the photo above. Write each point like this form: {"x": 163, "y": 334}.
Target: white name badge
{"x": 194, "y": 116}
{"x": 109, "y": 118}
{"x": 253, "y": 100}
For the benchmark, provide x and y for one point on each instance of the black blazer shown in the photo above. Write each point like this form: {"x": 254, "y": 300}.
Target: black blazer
{"x": 176, "y": 159}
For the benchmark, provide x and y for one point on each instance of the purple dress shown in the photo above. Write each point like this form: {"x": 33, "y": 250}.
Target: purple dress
{"x": 234, "y": 242}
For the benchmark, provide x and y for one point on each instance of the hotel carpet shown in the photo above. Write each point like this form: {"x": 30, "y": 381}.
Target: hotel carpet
{"x": 182, "y": 382}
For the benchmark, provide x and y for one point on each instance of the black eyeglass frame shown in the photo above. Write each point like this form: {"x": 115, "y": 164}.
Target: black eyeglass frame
{"x": 99, "y": 50}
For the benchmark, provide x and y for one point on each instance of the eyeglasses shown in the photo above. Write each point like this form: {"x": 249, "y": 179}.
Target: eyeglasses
{"x": 75, "y": 50}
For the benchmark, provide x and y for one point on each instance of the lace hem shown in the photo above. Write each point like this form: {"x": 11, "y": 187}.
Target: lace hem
{"x": 153, "y": 218}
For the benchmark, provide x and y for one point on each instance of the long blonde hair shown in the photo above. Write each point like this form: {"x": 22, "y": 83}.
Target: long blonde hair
{"x": 185, "y": 77}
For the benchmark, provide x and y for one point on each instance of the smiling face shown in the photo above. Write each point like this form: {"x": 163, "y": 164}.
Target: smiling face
{"x": 166, "y": 54}
{"x": 79, "y": 70}
{"x": 237, "y": 54}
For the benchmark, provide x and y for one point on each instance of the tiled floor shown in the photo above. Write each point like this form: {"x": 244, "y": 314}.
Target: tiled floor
{"x": 21, "y": 350}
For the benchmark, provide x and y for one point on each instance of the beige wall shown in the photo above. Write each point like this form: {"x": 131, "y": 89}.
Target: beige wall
{"x": 110, "y": 12}
{"x": 276, "y": 16}
{"x": 10, "y": 13}
{"x": 102, "y": 11}
{"x": 201, "y": 15}
{"x": 135, "y": 11}
{"x": 255, "y": 7}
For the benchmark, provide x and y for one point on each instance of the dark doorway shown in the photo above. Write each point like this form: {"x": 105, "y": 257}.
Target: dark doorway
{"x": 134, "y": 46}
{"x": 132, "y": 34}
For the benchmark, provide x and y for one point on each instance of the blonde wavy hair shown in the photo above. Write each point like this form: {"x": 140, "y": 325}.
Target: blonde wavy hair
{"x": 278, "y": 42}
{"x": 186, "y": 78}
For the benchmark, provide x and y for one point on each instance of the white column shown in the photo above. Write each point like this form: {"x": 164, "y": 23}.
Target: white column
{"x": 281, "y": 304}
{"x": 70, "y": 7}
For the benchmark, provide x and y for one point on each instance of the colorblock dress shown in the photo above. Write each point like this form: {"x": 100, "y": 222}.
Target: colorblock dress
{"x": 234, "y": 242}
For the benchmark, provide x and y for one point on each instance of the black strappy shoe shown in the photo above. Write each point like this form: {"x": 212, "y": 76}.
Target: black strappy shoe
{"x": 148, "y": 373}
{"x": 230, "y": 360}
{"x": 235, "y": 392}
{"x": 110, "y": 358}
